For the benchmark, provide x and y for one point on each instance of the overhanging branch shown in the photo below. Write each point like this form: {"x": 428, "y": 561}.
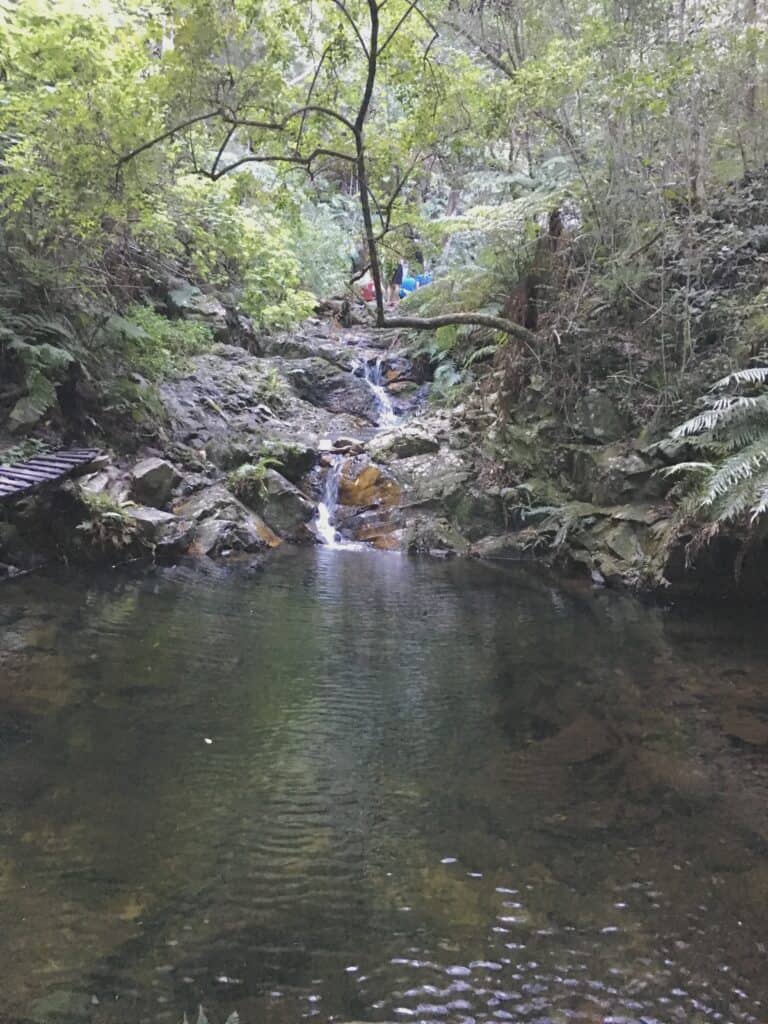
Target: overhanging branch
{"x": 432, "y": 323}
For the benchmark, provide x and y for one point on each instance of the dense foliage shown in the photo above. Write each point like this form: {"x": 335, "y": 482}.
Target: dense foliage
{"x": 553, "y": 162}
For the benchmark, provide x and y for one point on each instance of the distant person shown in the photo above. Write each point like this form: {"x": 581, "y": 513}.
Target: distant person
{"x": 396, "y": 283}
{"x": 409, "y": 284}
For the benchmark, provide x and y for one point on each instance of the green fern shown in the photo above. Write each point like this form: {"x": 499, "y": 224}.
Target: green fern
{"x": 731, "y": 485}
{"x": 40, "y": 349}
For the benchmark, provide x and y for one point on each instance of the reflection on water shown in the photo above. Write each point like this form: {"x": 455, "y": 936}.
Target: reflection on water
{"x": 364, "y": 787}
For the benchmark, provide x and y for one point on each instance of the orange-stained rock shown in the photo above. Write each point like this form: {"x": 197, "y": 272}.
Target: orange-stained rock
{"x": 361, "y": 483}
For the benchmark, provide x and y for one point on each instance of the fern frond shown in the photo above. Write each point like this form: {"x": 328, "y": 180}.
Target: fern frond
{"x": 736, "y": 469}
{"x": 724, "y": 413}
{"x": 759, "y": 506}
{"x": 751, "y": 375}
{"x": 687, "y": 467}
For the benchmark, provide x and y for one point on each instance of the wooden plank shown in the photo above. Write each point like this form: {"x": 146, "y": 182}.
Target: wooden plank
{"x": 23, "y": 477}
{"x": 58, "y": 465}
{"x": 59, "y": 460}
{"x": 22, "y": 468}
{"x": 32, "y": 476}
{"x": 10, "y": 477}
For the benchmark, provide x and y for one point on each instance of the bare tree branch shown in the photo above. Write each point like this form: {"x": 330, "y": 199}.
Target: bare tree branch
{"x": 308, "y": 100}
{"x": 278, "y": 158}
{"x": 343, "y": 8}
{"x": 222, "y": 147}
{"x": 432, "y": 323}
{"x": 280, "y": 126}
{"x": 127, "y": 157}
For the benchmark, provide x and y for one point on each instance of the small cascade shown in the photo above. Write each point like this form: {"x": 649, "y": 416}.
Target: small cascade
{"x": 374, "y": 377}
{"x": 326, "y": 509}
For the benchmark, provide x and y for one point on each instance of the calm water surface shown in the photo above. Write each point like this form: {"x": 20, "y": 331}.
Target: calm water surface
{"x": 360, "y": 787}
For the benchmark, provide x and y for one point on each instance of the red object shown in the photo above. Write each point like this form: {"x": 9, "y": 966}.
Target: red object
{"x": 368, "y": 291}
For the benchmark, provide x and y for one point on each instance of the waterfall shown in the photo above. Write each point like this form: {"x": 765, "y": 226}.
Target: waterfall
{"x": 374, "y": 377}
{"x": 326, "y": 509}
{"x": 372, "y": 373}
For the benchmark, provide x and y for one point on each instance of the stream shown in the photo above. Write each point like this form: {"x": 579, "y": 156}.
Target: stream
{"x": 371, "y": 372}
{"x": 373, "y": 788}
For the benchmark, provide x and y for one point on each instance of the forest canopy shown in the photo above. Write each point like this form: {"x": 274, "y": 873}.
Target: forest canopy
{"x": 275, "y": 149}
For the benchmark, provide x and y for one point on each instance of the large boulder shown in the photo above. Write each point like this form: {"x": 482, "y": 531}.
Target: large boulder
{"x": 613, "y": 474}
{"x": 280, "y": 504}
{"x": 298, "y": 346}
{"x": 164, "y": 532}
{"x": 434, "y": 536}
{"x": 230, "y": 407}
{"x": 363, "y": 483}
{"x": 187, "y": 301}
{"x": 402, "y": 443}
{"x": 221, "y": 522}
{"x": 323, "y": 385}
{"x": 439, "y": 478}
{"x": 596, "y": 418}
{"x": 153, "y": 481}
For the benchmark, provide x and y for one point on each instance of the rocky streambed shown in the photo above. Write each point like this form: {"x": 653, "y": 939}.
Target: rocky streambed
{"x": 329, "y": 436}
{"x": 253, "y": 446}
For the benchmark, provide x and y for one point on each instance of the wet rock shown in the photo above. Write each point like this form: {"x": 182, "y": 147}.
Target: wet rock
{"x": 622, "y": 540}
{"x": 347, "y": 446}
{"x": 746, "y": 726}
{"x": 234, "y": 408}
{"x": 400, "y": 369}
{"x": 280, "y": 504}
{"x": 379, "y": 527}
{"x": 153, "y": 481}
{"x": 477, "y": 511}
{"x": 329, "y": 388}
{"x": 434, "y": 536}
{"x": 297, "y": 346}
{"x": 221, "y": 522}
{"x": 436, "y": 477}
{"x": 404, "y": 389}
{"x": 596, "y": 418}
{"x": 150, "y": 520}
{"x": 504, "y": 547}
{"x": 583, "y": 740}
{"x": 362, "y": 483}
{"x": 293, "y": 458}
{"x": 165, "y": 533}
{"x": 402, "y": 443}
{"x": 189, "y": 302}
{"x": 613, "y": 474}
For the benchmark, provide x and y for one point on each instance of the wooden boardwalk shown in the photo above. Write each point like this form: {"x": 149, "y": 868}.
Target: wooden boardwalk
{"x": 21, "y": 478}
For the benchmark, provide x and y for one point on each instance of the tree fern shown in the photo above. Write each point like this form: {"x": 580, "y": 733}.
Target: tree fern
{"x": 731, "y": 486}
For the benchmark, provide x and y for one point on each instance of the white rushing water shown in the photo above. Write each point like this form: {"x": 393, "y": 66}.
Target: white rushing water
{"x": 374, "y": 377}
{"x": 326, "y": 509}
{"x": 386, "y": 417}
